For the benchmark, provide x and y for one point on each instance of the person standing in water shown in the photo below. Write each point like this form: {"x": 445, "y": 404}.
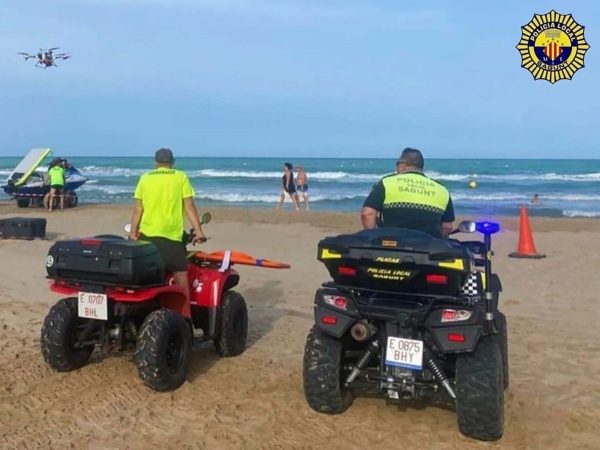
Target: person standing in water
{"x": 289, "y": 187}
{"x": 302, "y": 185}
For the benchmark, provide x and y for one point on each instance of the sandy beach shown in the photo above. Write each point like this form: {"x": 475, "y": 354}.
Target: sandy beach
{"x": 256, "y": 400}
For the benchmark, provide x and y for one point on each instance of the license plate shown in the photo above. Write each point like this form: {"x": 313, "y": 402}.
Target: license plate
{"x": 406, "y": 353}
{"x": 92, "y": 306}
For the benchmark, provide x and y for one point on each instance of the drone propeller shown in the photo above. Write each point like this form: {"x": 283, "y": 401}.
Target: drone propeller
{"x": 53, "y": 48}
{"x": 26, "y": 55}
{"x": 62, "y": 56}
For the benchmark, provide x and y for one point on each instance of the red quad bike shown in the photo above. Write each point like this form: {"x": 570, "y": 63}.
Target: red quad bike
{"x": 118, "y": 296}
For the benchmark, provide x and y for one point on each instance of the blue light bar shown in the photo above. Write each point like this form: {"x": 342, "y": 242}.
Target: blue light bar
{"x": 487, "y": 227}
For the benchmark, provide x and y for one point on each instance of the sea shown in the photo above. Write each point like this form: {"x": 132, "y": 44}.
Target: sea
{"x": 567, "y": 188}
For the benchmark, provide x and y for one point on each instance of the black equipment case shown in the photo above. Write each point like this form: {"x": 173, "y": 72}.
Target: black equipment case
{"x": 22, "y": 228}
{"x": 106, "y": 260}
{"x": 396, "y": 259}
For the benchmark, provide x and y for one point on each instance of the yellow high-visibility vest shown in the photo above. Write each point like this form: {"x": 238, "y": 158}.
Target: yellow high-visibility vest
{"x": 414, "y": 190}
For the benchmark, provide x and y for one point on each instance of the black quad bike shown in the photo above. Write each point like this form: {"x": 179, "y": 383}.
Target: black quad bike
{"x": 410, "y": 317}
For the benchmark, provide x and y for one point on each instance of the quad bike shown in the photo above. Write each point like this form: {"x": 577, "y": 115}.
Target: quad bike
{"x": 118, "y": 296}
{"x": 410, "y": 317}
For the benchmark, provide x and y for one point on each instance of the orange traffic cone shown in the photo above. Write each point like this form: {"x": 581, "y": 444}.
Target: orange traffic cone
{"x": 526, "y": 248}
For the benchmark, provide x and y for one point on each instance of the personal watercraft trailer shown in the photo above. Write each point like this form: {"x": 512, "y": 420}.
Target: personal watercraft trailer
{"x": 28, "y": 185}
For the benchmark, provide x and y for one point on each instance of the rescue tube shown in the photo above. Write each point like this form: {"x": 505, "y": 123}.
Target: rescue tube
{"x": 240, "y": 258}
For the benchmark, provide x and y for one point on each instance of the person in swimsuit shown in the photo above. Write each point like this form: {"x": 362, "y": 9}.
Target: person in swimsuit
{"x": 289, "y": 187}
{"x": 302, "y": 185}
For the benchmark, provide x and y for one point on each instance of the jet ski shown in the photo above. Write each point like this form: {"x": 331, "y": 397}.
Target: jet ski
{"x": 28, "y": 183}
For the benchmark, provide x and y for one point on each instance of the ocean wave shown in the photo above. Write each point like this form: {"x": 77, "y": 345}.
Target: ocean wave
{"x": 338, "y": 175}
{"x": 577, "y": 213}
{"x": 92, "y": 189}
{"x": 451, "y": 176}
{"x": 577, "y": 177}
{"x": 100, "y": 171}
{"x": 499, "y": 196}
{"x": 462, "y": 196}
{"x": 234, "y": 197}
{"x": 571, "y": 197}
{"x": 100, "y": 191}
{"x": 342, "y": 176}
{"x": 503, "y": 196}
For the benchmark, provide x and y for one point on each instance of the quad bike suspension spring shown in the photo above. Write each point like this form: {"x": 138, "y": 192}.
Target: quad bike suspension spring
{"x": 363, "y": 361}
{"x": 441, "y": 377}
{"x": 132, "y": 330}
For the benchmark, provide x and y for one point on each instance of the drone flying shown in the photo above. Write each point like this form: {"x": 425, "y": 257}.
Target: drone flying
{"x": 46, "y": 58}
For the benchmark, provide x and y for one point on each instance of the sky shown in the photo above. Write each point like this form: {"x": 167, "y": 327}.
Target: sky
{"x": 307, "y": 78}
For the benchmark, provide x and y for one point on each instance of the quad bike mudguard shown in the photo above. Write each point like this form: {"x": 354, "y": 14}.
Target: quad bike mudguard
{"x": 443, "y": 333}
{"x": 169, "y": 296}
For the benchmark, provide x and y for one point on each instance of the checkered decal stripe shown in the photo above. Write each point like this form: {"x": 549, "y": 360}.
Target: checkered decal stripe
{"x": 473, "y": 285}
{"x": 413, "y": 206}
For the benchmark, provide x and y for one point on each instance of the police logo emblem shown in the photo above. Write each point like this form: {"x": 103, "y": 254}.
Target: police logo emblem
{"x": 552, "y": 46}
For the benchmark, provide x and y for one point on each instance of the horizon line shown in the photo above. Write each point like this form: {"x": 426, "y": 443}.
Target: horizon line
{"x": 330, "y": 158}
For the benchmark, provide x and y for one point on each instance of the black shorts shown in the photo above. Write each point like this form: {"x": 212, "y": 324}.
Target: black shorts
{"x": 173, "y": 253}
{"x": 57, "y": 188}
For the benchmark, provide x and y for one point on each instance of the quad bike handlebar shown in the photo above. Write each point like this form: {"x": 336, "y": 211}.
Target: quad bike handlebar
{"x": 189, "y": 237}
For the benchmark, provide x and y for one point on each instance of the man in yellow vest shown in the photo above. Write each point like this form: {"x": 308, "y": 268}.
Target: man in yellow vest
{"x": 56, "y": 173}
{"x": 409, "y": 199}
{"x": 162, "y": 197}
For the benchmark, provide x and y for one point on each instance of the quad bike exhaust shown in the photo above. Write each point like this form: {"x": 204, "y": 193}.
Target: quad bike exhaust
{"x": 362, "y": 331}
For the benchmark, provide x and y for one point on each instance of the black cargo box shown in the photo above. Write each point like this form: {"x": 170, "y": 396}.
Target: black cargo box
{"x": 22, "y": 228}
{"x": 106, "y": 260}
{"x": 396, "y": 259}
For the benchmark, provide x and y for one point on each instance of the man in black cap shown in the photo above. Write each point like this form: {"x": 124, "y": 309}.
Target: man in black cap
{"x": 409, "y": 199}
{"x": 162, "y": 197}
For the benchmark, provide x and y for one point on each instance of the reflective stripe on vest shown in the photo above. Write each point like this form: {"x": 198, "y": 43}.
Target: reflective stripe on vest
{"x": 414, "y": 190}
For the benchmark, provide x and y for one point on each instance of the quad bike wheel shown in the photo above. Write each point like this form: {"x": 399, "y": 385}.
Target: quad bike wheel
{"x": 59, "y": 335}
{"x": 232, "y": 325}
{"x": 163, "y": 350}
{"x": 322, "y": 374}
{"x": 480, "y": 391}
{"x": 502, "y": 340}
